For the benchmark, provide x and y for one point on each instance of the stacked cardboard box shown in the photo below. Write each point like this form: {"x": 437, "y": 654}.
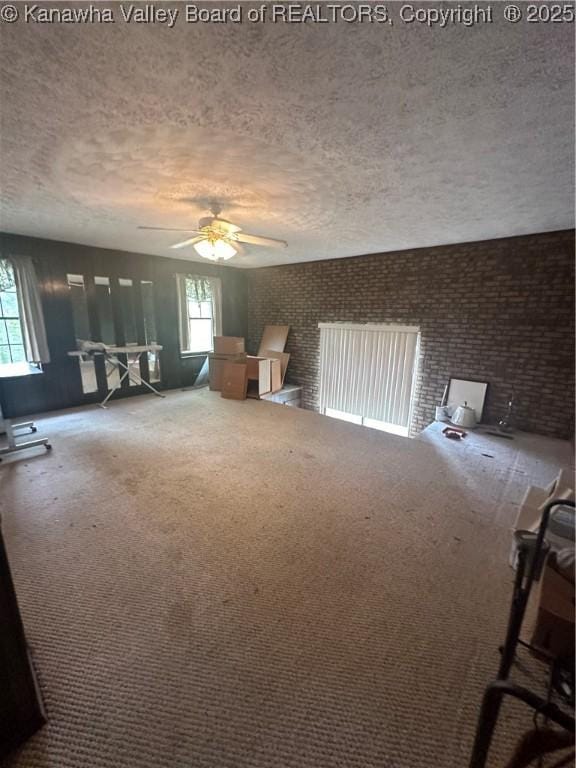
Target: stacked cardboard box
{"x": 227, "y": 349}
{"x": 267, "y": 369}
{"x": 234, "y": 381}
{"x": 264, "y": 373}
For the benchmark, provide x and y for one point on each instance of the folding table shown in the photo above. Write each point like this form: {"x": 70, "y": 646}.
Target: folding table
{"x": 17, "y": 371}
{"x": 130, "y": 369}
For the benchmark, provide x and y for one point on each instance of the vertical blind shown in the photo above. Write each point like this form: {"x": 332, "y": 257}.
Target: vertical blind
{"x": 368, "y": 370}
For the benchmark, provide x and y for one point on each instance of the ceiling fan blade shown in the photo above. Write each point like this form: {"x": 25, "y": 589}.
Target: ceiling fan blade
{"x": 256, "y": 240}
{"x": 190, "y": 241}
{"x": 169, "y": 229}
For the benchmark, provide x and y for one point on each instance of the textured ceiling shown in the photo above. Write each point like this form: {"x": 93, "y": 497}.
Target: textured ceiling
{"x": 342, "y": 139}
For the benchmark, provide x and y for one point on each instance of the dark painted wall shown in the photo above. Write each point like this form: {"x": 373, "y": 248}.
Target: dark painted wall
{"x": 60, "y": 386}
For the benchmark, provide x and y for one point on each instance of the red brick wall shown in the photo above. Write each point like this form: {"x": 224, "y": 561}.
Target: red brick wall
{"x": 499, "y": 310}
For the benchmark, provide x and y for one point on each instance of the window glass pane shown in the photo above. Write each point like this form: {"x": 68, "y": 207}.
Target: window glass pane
{"x": 88, "y": 375}
{"x": 112, "y": 375}
{"x": 206, "y": 309}
{"x": 79, "y": 308}
{"x": 79, "y": 301}
{"x": 134, "y": 366}
{"x": 14, "y": 331}
{"x": 128, "y": 310}
{"x": 200, "y": 335}
{"x": 147, "y": 287}
{"x": 7, "y": 282}
{"x": 104, "y": 305}
{"x": 194, "y": 309}
{"x": 18, "y": 355}
{"x": 154, "y": 366}
{"x": 149, "y": 314}
{"x": 198, "y": 309}
{"x": 9, "y": 304}
{"x": 11, "y": 341}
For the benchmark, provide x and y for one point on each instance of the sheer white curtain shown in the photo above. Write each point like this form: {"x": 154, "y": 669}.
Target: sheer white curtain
{"x": 30, "y": 306}
{"x": 183, "y": 324}
{"x": 368, "y": 370}
{"x": 216, "y": 291}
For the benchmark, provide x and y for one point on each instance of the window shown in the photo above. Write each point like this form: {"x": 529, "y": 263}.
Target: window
{"x": 11, "y": 336}
{"x": 200, "y": 311}
{"x": 367, "y": 374}
{"x": 79, "y": 302}
{"x": 135, "y": 317}
{"x": 127, "y": 303}
{"x": 200, "y": 324}
{"x": 150, "y": 333}
{"x": 103, "y": 294}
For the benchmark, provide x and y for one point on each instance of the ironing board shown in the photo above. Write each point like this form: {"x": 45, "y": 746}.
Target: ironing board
{"x": 130, "y": 369}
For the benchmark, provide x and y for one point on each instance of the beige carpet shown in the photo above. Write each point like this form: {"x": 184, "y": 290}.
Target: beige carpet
{"x": 207, "y": 583}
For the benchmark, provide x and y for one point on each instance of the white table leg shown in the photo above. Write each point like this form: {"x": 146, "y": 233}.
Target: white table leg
{"x": 13, "y": 446}
{"x": 20, "y": 425}
{"x": 25, "y": 425}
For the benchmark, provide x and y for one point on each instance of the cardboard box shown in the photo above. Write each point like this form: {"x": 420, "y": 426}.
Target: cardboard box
{"x": 274, "y": 338}
{"x": 554, "y": 626}
{"x": 228, "y": 345}
{"x": 216, "y": 365}
{"x": 264, "y": 375}
{"x": 234, "y": 381}
{"x": 275, "y": 375}
{"x": 553, "y": 635}
{"x": 258, "y": 373}
{"x": 284, "y": 358}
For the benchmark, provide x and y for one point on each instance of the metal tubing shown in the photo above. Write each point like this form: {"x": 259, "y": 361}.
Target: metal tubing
{"x": 496, "y": 690}
{"x": 490, "y": 709}
{"x": 23, "y": 446}
{"x": 116, "y": 365}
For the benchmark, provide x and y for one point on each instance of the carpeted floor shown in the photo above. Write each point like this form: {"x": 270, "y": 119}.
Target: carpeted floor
{"x": 214, "y": 584}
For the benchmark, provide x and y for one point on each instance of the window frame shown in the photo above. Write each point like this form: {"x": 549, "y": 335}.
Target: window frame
{"x": 6, "y": 318}
{"x": 185, "y": 318}
{"x": 190, "y": 319}
{"x": 364, "y": 399}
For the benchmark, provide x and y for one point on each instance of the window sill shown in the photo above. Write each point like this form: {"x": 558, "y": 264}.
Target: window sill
{"x": 186, "y": 355}
{"x": 17, "y": 370}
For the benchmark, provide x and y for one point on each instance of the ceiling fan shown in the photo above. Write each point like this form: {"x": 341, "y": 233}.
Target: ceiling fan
{"x": 218, "y": 239}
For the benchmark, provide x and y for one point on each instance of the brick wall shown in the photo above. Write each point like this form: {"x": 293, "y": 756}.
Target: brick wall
{"x": 499, "y": 310}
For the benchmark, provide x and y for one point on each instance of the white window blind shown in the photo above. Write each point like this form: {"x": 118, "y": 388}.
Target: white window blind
{"x": 368, "y": 370}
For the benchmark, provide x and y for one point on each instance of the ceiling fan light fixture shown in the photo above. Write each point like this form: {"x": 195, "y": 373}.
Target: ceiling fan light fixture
{"x": 215, "y": 249}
